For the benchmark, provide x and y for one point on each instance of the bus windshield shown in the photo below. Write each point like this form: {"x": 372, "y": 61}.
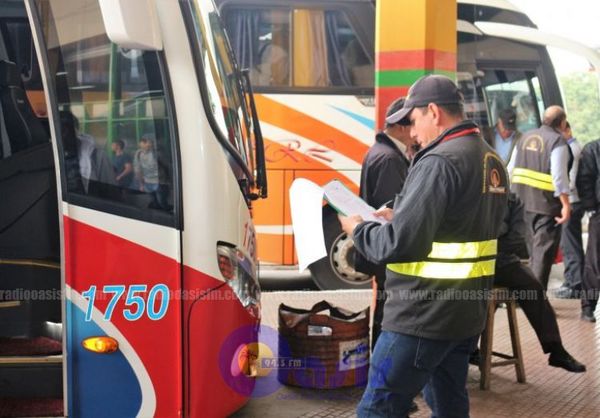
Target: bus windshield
{"x": 222, "y": 80}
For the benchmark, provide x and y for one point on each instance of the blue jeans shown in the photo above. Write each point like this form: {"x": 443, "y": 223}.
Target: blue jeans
{"x": 402, "y": 365}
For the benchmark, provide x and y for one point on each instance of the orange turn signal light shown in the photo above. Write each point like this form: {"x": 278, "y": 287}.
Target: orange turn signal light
{"x": 102, "y": 345}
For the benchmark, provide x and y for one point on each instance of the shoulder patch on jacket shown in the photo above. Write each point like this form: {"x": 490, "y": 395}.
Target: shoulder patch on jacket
{"x": 494, "y": 174}
{"x": 533, "y": 143}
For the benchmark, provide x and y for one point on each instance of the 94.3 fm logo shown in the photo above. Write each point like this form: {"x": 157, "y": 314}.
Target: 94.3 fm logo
{"x": 260, "y": 368}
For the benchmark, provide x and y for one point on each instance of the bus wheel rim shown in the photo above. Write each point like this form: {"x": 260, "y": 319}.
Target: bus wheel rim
{"x": 341, "y": 257}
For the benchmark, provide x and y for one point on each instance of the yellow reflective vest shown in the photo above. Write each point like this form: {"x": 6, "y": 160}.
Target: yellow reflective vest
{"x": 440, "y": 248}
{"x": 531, "y": 177}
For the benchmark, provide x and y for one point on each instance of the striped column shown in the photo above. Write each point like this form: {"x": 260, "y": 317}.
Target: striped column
{"x": 412, "y": 38}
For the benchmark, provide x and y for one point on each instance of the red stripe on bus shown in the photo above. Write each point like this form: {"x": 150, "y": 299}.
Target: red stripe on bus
{"x": 95, "y": 257}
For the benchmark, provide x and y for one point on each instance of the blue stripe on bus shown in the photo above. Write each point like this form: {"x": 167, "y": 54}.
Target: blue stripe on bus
{"x": 369, "y": 123}
{"x": 100, "y": 385}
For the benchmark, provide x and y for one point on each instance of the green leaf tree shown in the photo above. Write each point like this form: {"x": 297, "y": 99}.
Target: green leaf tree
{"x": 582, "y": 104}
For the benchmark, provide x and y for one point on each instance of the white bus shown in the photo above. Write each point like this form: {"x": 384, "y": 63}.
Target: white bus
{"x": 130, "y": 159}
{"x": 316, "y": 104}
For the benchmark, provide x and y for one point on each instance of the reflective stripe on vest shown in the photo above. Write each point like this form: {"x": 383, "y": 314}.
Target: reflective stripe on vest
{"x": 532, "y": 178}
{"x": 455, "y": 269}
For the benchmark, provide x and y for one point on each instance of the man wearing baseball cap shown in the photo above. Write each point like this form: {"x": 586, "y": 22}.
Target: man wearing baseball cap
{"x": 504, "y": 135}
{"x": 382, "y": 175}
{"x": 439, "y": 248}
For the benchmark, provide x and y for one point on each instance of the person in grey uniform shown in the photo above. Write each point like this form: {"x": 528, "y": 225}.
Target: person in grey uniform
{"x": 540, "y": 177}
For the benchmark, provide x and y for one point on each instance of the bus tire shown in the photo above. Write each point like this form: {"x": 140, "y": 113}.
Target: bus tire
{"x": 336, "y": 270}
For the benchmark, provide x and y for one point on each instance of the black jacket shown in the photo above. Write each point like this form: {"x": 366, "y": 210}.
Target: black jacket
{"x": 511, "y": 242}
{"x": 382, "y": 177}
{"x": 588, "y": 176}
{"x": 455, "y": 192}
{"x": 384, "y": 172}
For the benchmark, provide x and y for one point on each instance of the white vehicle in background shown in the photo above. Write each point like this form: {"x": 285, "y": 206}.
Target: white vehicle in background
{"x": 134, "y": 297}
{"x": 311, "y": 63}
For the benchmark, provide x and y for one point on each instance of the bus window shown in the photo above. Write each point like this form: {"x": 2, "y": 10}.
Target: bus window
{"x": 299, "y": 48}
{"x": 264, "y": 47}
{"x": 116, "y": 134}
{"x": 24, "y": 117}
{"x": 475, "y": 108}
{"x": 537, "y": 88}
{"x": 512, "y": 89}
{"x": 226, "y": 104}
{"x": 19, "y": 45}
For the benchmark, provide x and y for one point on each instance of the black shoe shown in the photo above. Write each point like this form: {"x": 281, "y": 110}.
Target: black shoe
{"x": 565, "y": 361}
{"x": 588, "y": 315}
{"x": 475, "y": 358}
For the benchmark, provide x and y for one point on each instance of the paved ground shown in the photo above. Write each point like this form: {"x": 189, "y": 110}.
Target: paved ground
{"x": 549, "y": 392}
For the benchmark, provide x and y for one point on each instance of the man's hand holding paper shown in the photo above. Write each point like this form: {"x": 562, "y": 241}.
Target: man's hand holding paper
{"x": 305, "y": 201}
{"x": 348, "y": 223}
{"x": 384, "y": 213}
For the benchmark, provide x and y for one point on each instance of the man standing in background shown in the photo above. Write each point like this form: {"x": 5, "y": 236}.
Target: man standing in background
{"x": 541, "y": 180}
{"x": 571, "y": 242}
{"x": 122, "y": 164}
{"x": 382, "y": 177}
{"x": 504, "y": 135}
{"x": 588, "y": 186}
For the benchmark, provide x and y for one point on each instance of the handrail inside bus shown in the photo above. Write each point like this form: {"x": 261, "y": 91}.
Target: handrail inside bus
{"x": 535, "y": 36}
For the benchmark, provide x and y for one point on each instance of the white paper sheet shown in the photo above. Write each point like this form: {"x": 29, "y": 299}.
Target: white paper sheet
{"x": 347, "y": 203}
{"x": 306, "y": 201}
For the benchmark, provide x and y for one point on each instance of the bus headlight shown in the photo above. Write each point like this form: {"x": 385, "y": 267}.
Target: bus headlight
{"x": 240, "y": 274}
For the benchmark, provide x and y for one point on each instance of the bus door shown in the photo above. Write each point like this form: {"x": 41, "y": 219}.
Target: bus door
{"x": 497, "y": 73}
{"x": 517, "y": 89}
{"x": 221, "y": 299}
{"x": 31, "y": 349}
{"x": 112, "y": 127}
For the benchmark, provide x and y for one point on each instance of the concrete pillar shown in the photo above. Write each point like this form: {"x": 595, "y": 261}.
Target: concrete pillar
{"x": 413, "y": 38}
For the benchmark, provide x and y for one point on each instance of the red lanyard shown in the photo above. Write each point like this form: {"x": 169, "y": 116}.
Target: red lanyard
{"x": 464, "y": 132}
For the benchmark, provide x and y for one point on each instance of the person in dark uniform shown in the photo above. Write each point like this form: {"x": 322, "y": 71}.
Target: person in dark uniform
{"x": 516, "y": 276}
{"x": 384, "y": 170}
{"x": 439, "y": 247}
{"x": 540, "y": 178}
{"x": 588, "y": 187}
{"x": 571, "y": 241}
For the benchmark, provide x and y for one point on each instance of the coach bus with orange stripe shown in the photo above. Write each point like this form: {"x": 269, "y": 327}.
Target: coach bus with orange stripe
{"x": 130, "y": 158}
{"x": 311, "y": 63}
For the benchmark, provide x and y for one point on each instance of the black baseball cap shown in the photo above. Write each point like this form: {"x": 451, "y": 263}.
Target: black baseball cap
{"x": 508, "y": 118}
{"x": 433, "y": 88}
{"x": 395, "y": 106}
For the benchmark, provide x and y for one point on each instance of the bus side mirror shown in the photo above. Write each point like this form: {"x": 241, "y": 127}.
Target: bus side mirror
{"x": 132, "y": 24}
